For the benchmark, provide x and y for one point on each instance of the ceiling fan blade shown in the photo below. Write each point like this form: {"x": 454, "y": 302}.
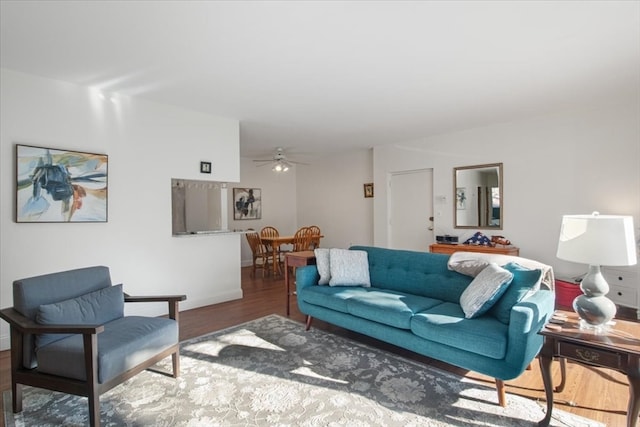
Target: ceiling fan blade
{"x": 270, "y": 160}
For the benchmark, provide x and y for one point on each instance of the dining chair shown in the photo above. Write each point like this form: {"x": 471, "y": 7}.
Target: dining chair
{"x": 315, "y": 236}
{"x": 260, "y": 256}
{"x": 270, "y": 231}
{"x": 302, "y": 239}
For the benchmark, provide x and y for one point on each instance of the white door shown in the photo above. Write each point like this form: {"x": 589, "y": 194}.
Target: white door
{"x": 411, "y": 210}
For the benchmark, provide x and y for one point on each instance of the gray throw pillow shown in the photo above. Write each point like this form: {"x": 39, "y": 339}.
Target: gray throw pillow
{"x": 322, "y": 263}
{"x": 485, "y": 290}
{"x": 349, "y": 268}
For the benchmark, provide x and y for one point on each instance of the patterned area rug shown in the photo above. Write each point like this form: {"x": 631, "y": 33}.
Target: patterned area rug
{"x": 271, "y": 372}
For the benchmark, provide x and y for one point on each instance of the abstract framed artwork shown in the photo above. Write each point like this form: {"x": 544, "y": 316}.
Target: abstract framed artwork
{"x": 247, "y": 203}
{"x": 54, "y": 185}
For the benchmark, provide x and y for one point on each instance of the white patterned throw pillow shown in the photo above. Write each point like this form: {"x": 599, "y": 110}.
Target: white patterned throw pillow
{"x": 349, "y": 268}
{"x": 485, "y": 290}
{"x": 322, "y": 263}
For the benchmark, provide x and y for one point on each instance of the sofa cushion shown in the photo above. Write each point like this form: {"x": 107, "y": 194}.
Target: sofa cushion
{"x": 348, "y": 268}
{"x": 391, "y": 308}
{"x": 485, "y": 289}
{"x": 333, "y": 297}
{"x": 94, "y": 308}
{"x": 125, "y": 343}
{"x": 446, "y": 324}
{"x": 322, "y": 263}
{"x": 524, "y": 283}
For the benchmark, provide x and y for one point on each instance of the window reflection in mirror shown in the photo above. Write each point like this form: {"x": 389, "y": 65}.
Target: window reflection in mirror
{"x": 197, "y": 206}
{"x": 478, "y": 196}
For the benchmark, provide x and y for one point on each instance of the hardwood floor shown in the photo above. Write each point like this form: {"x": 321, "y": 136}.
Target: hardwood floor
{"x": 599, "y": 394}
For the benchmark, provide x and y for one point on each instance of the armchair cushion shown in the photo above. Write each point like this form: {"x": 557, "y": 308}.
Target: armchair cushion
{"x": 125, "y": 343}
{"x": 95, "y": 308}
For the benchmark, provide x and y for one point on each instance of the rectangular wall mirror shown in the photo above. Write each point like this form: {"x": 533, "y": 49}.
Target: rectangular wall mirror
{"x": 478, "y": 196}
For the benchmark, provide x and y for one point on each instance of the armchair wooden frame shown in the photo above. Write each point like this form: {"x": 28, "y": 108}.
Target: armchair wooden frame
{"x": 91, "y": 388}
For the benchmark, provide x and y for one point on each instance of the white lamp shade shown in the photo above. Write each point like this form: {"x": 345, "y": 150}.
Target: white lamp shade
{"x": 597, "y": 240}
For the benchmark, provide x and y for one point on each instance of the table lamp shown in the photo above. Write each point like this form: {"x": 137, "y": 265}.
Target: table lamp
{"x": 596, "y": 240}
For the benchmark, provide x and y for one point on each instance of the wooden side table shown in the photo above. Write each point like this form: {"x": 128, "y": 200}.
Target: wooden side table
{"x": 441, "y": 248}
{"x": 295, "y": 259}
{"x": 617, "y": 348}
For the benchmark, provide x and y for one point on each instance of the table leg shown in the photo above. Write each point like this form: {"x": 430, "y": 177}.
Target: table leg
{"x": 286, "y": 280}
{"x": 545, "y": 369}
{"x": 275, "y": 260}
{"x": 633, "y": 409}
{"x": 563, "y": 375}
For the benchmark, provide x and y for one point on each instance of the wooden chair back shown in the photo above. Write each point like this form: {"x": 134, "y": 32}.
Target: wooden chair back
{"x": 260, "y": 256}
{"x": 269, "y": 231}
{"x": 302, "y": 239}
{"x": 314, "y": 230}
{"x": 255, "y": 243}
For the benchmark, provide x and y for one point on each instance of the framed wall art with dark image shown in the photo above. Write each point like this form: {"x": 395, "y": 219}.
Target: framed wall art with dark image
{"x": 247, "y": 203}
{"x": 56, "y": 185}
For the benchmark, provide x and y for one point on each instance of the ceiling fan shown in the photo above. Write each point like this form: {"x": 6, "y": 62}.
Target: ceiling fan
{"x": 279, "y": 161}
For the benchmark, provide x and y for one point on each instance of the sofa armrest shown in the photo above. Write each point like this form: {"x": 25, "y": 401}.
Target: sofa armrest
{"x": 172, "y": 300}
{"x": 28, "y": 326}
{"x": 527, "y": 319}
{"x": 306, "y": 276}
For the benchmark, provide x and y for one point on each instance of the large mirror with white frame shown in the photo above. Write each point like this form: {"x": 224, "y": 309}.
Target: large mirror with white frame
{"x": 478, "y": 197}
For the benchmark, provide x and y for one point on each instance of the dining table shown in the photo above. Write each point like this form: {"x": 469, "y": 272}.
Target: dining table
{"x": 274, "y": 244}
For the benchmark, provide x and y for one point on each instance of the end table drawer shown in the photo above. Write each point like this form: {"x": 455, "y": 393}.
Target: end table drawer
{"x": 590, "y": 355}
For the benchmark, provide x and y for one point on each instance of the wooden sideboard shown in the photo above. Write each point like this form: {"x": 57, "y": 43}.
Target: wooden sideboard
{"x": 440, "y": 248}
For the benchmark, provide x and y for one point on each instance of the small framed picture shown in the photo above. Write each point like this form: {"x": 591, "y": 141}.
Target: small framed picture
{"x": 368, "y": 189}
{"x": 205, "y": 167}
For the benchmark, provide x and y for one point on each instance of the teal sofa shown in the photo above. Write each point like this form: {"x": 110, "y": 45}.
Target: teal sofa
{"x": 414, "y": 303}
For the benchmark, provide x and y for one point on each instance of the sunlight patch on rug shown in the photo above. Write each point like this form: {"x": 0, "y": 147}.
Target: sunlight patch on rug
{"x": 271, "y": 371}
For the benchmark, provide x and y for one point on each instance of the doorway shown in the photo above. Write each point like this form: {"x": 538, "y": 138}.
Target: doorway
{"x": 411, "y": 210}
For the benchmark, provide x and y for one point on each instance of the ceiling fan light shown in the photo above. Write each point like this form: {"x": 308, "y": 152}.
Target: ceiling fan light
{"x": 281, "y": 166}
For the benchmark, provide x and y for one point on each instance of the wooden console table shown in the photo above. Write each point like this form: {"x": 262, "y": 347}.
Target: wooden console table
{"x": 443, "y": 248}
{"x": 295, "y": 259}
{"x": 617, "y": 348}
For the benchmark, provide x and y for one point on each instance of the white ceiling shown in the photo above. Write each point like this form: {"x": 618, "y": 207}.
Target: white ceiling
{"x": 324, "y": 76}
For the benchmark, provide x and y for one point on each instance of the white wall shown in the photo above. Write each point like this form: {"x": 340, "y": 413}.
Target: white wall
{"x": 328, "y": 193}
{"x": 147, "y": 144}
{"x": 568, "y": 163}
{"x": 278, "y": 201}
{"x": 331, "y": 195}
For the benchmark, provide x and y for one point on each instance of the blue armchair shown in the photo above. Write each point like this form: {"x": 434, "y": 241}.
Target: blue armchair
{"x": 69, "y": 333}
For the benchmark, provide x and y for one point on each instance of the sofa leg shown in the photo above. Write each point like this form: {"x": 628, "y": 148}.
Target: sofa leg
{"x": 502, "y": 394}
{"x": 308, "y": 324}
